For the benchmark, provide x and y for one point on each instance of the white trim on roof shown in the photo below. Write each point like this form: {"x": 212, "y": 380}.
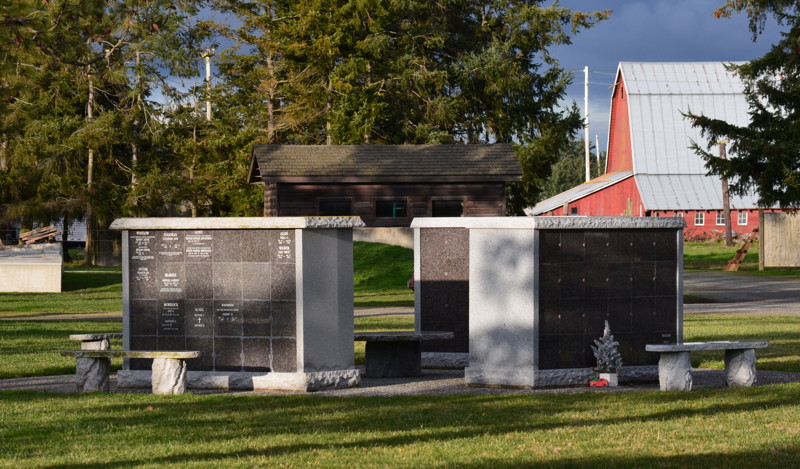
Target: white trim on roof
{"x": 578, "y": 192}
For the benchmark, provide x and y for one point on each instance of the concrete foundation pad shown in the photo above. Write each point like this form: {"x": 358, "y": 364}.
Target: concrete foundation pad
{"x": 209, "y": 380}
{"x": 551, "y": 378}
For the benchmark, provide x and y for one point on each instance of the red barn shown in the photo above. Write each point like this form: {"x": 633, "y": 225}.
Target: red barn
{"x": 651, "y": 170}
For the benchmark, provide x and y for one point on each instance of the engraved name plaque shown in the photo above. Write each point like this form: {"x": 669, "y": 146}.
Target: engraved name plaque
{"x": 228, "y": 293}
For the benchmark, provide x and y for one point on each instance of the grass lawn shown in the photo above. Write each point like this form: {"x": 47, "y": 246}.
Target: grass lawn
{"x": 714, "y": 255}
{"x": 752, "y": 427}
{"x": 749, "y": 427}
{"x": 82, "y": 292}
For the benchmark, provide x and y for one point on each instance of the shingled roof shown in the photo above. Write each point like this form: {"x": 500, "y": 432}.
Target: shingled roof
{"x": 384, "y": 163}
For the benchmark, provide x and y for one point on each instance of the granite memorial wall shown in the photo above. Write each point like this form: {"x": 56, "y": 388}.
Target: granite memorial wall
{"x": 233, "y": 290}
{"x": 228, "y": 293}
{"x": 539, "y": 289}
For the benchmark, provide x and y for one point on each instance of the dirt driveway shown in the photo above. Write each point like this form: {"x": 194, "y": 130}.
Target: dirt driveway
{"x": 734, "y": 292}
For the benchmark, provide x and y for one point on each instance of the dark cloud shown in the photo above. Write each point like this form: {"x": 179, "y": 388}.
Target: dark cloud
{"x": 652, "y": 31}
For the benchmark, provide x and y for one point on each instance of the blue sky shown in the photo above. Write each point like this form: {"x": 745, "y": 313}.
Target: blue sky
{"x": 651, "y": 31}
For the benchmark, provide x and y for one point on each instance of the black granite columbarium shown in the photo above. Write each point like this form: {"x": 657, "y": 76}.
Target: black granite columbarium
{"x": 543, "y": 289}
{"x": 231, "y": 293}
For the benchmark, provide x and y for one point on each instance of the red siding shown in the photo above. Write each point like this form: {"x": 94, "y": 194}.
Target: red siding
{"x": 709, "y": 228}
{"x": 620, "y": 156}
{"x": 619, "y": 199}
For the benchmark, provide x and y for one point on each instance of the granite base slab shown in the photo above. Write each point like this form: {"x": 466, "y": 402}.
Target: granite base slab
{"x": 529, "y": 378}
{"x": 210, "y": 380}
{"x": 445, "y": 360}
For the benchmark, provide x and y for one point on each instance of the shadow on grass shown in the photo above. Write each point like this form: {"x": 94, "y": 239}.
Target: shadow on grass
{"x": 72, "y": 281}
{"x": 301, "y": 426}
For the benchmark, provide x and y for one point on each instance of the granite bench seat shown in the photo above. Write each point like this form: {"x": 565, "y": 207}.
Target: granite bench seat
{"x": 675, "y": 368}
{"x": 96, "y": 341}
{"x": 395, "y": 354}
{"x": 93, "y": 367}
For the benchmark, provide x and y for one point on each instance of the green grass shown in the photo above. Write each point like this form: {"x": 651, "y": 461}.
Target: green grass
{"x": 30, "y": 348}
{"x": 714, "y": 255}
{"x": 741, "y": 428}
{"x": 782, "y": 332}
{"x": 380, "y": 275}
{"x": 82, "y": 292}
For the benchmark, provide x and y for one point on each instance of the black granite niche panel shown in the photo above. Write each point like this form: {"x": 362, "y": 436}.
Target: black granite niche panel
{"x": 627, "y": 277}
{"x": 228, "y": 293}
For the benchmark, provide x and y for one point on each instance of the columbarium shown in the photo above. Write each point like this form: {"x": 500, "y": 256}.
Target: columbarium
{"x": 268, "y": 302}
{"x": 539, "y": 289}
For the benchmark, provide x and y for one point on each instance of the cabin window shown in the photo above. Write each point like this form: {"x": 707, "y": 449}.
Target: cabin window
{"x": 396, "y": 208}
{"x": 573, "y": 211}
{"x": 742, "y": 220}
{"x": 447, "y": 208}
{"x": 679, "y": 214}
{"x": 335, "y": 207}
{"x": 720, "y": 218}
{"x": 699, "y": 219}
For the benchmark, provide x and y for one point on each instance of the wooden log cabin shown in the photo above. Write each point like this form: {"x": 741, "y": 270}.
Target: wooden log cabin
{"x": 386, "y": 185}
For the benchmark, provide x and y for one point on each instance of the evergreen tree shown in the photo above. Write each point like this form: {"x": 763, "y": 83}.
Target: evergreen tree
{"x": 372, "y": 71}
{"x": 570, "y": 169}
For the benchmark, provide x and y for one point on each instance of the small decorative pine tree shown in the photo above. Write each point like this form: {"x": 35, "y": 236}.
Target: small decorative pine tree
{"x": 605, "y": 351}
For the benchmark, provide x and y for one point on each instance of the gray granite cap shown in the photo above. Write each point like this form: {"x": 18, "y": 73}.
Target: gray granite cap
{"x": 170, "y": 354}
{"x": 229, "y": 223}
{"x": 92, "y": 337}
{"x": 695, "y": 346}
{"x": 551, "y": 223}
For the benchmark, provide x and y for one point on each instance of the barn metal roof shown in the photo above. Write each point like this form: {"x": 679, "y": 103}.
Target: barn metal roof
{"x": 659, "y": 94}
{"x": 390, "y": 163}
{"x": 686, "y": 192}
{"x": 578, "y": 192}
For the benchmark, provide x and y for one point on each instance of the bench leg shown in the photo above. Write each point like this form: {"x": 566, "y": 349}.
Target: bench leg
{"x": 92, "y": 374}
{"x": 101, "y": 344}
{"x": 740, "y": 367}
{"x": 169, "y": 376}
{"x": 675, "y": 371}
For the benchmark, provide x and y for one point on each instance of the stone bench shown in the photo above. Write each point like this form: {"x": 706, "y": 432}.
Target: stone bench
{"x": 395, "y": 354}
{"x": 96, "y": 341}
{"x": 92, "y": 368}
{"x": 675, "y": 368}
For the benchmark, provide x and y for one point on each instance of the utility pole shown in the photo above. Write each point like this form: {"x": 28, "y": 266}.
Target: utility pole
{"x": 726, "y": 202}
{"x": 207, "y": 55}
{"x": 586, "y": 122}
